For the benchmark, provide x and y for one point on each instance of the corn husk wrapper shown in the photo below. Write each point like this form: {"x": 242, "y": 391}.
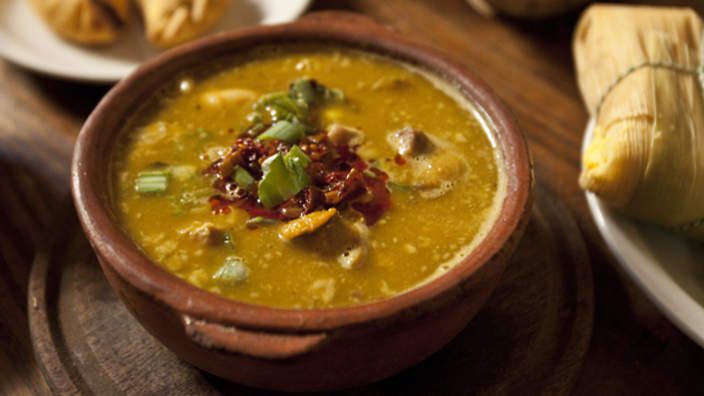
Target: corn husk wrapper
{"x": 647, "y": 153}
{"x": 89, "y": 22}
{"x": 172, "y": 22}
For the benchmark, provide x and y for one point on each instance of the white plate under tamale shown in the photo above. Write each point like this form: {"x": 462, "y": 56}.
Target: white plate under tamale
{"x": 667, "y": 267}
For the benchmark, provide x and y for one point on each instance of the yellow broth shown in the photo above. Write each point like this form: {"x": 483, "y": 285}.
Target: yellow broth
{"x": 418, "y": 238}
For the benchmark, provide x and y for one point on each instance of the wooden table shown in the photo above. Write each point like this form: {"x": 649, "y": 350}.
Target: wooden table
{"x": 634, "y": 349}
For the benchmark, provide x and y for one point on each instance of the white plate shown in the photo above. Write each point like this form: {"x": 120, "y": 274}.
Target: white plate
{"x": 26, "y": 40}
{"x": 668, "y": 268}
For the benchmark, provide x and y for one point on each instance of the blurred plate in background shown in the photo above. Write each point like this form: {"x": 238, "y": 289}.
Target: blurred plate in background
{"x": 26, "y": 40}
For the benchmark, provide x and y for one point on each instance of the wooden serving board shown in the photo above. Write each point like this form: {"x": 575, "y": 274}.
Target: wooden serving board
{"x": 531, "y": 337}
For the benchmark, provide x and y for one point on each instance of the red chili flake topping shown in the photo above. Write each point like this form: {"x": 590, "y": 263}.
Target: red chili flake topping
{"x": 339, "y": 178}
{"x": 399, "y": 160}
{"x": 219, "y": 205}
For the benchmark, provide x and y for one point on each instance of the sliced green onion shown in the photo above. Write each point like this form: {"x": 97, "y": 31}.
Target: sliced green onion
{"x": 254, "y": 118}
{"x": 259, "y": 221}
{"x": 296, "y": 155}
{"x": 393, "y": 186}
{"x": 278, "y": 113}
{"x": 149, "y": 182}
{"x": 275, "y": 186}
{"x": 285, "y": 131}
{"x": 243, "y": 178}
{"x": 296, "y": 162}
{"x": 234, "y": 270}
{"x": 284, "y": 177}
{"x": 228, "y": 240}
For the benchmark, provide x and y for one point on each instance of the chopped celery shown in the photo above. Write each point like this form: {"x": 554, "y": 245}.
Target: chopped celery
{"x": 285, "y": 131}
{"x": 153, "y": 181}
{"x": 243, "y": 178}
{"x": 234, "y": 270}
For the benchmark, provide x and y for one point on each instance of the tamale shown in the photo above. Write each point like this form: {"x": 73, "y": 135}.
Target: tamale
{"x": 638, "y": 70}
{"x": 84, "y": 21}
{"x": 172, "y": 22}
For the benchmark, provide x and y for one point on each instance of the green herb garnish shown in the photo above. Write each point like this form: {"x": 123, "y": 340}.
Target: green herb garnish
{"x": 303, "y": 90}
{"x": 308, "y": 91}
{"x": 293, "y": 106}
{"x": 281, "y": 106}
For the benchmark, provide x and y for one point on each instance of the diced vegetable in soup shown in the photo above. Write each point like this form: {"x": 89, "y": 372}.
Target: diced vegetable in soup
{"x": 305, "y": 177}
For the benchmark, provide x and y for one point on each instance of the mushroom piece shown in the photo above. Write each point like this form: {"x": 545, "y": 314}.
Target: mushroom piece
{"x": 410, "y": 142}
{"x": 342, "y": 135}
{"x": 356, "y": 249}
{"x": 432, "y": 166}
{"x": 336, "y": 239}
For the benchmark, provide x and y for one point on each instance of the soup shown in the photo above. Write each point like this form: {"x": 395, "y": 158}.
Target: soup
{"x": 307, "y": 177}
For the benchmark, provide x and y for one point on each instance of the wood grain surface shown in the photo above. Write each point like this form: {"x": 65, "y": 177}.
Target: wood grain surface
{"x": 634, "y": 349}
{"x": 530, "y": 337}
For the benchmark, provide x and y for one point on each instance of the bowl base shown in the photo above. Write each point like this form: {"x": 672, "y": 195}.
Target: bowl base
{"x": 531, "y": 335}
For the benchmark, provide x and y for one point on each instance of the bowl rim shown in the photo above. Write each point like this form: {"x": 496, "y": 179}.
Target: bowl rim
{"x": 120, "y": 253}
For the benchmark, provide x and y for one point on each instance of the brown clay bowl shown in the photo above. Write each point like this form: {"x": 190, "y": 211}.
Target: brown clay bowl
{"x": 288, "y": 349}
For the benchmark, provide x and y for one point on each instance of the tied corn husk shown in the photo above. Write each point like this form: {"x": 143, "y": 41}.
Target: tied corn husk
{"x": 647, "y": 152}
{"x": 526, "y": 9}
{"x": 172, "y": 22}
{"x": 92, "y": 22}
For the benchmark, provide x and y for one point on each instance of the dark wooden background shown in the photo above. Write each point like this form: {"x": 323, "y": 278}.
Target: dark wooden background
{"x": 634, "y": 349}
